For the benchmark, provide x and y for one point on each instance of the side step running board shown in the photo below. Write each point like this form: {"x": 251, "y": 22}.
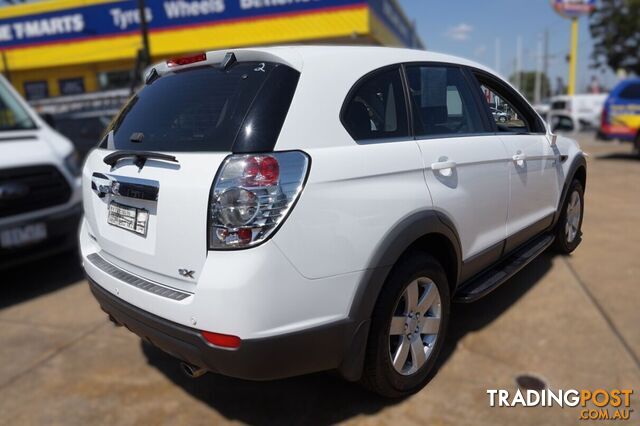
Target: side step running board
{"x": 484, "y": 283}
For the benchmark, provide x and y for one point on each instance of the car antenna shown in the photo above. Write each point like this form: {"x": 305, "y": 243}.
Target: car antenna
{"x": 229, "y": 59}
{"x": 151, "y": 76}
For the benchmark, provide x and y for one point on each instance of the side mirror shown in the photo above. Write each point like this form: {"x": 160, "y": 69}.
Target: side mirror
{"x": 48, "y": 118}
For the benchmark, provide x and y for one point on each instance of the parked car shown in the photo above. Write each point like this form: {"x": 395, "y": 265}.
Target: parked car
{"x": 39, "y": 184}
{"x": 500, "y": 116}
{"x": 621, "y": 114}
{"x": 577, "y": 112}
{"x": 262, "y": 219}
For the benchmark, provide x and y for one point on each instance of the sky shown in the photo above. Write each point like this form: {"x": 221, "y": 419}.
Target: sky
{"x": 470, "y": 28}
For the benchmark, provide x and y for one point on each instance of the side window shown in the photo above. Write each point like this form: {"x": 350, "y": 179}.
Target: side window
{"x": 503, "y": 112}
{"x": 510, "y": 111}
{"x": 377, "y": 108}
{"x": 442, "y": 102}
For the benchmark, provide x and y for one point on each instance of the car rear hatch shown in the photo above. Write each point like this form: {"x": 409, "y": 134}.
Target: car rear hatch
{"x": 147, "y": 188}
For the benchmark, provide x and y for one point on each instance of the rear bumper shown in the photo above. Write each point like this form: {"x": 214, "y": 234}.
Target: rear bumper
{"x": 311, "y": 350}
{"x": 62, "y": 235}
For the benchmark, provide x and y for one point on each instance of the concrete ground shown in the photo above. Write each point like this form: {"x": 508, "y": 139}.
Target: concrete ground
{"x": 573, "y": 321}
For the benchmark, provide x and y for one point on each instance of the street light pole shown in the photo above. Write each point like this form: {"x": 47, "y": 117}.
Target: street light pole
{"x": 144, "y": 31}
{"x": 573, "y": 59}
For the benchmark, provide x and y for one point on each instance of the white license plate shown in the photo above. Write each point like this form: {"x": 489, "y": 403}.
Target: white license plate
{"x": 23, "y": 235}
{"x": 130, "y": 218}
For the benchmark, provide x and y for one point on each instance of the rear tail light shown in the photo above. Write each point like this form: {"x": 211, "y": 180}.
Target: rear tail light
{"x": 186, "y": 60}
{"x": 252, "y": 195}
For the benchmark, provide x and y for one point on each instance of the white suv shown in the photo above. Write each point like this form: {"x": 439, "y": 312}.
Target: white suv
{"x": 39, "y": 185}
{"x": 264, "y": 213}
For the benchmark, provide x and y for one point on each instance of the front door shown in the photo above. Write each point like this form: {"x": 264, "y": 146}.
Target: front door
{"x": 534, "y": 168}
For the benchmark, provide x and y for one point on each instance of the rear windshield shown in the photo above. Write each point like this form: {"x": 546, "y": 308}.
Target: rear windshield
{"x": 12, "y": 115}
{"x": 205, "y": 108}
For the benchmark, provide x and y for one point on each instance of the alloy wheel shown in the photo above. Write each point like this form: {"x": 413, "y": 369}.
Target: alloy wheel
{"x": 414, "y": 326}
{"x": 574, "y": 211}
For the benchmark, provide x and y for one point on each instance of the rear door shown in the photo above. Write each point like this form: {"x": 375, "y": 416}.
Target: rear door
{"x": 534, "y": 168}
{"x": 466, "y": 166}
{"x": 148, "y": 211}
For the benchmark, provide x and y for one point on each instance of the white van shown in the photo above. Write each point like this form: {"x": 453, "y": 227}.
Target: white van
{"x": 577, "y": 112}
{"x": 39, "y": 184}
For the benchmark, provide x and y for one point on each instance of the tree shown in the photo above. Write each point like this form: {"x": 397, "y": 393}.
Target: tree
{"x": 528, "y": 84}
{"x": 615, "y": 29}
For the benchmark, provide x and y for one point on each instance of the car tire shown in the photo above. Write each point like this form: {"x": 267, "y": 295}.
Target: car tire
{"x": 569, "y": 227}
{"x": 405, "y": 317}
{"x": 502, "y": 119}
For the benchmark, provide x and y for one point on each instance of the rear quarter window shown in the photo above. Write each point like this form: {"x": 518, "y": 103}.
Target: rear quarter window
{"x": 376, "y": 108}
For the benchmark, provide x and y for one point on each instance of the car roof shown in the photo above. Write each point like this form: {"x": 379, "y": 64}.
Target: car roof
{"x": 364, "y": 57}
{"x": 360, "y": 59}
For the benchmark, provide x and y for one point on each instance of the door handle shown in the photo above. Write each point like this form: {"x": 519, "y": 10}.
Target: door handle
{"x": 445, "y": 168}
{"x": 519, "y": 159}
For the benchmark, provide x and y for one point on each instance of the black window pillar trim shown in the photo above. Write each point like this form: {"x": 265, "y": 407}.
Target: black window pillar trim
{"x": 407, "y": 101}
{"x": 478, "y": 97}
{"x": 267, "y": 117}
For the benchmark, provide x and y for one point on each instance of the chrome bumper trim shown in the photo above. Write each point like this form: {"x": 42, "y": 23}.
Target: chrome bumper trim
{"x": 126, "y": 277}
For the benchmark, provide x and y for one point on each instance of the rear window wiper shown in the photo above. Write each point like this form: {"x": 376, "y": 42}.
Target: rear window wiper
{"x": 140, "y": 157}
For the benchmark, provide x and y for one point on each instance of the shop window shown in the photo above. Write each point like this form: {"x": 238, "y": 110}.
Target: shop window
{"x": 34, "y": 90}
{"x": 71, "y": 86}
{"x": 114, "y": 79}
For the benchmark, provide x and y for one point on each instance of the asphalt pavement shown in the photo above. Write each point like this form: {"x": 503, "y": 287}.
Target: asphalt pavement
{"x": 571, "y": 321}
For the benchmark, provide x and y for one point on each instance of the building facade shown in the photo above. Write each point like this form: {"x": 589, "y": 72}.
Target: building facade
{"x": 67, "y": 47}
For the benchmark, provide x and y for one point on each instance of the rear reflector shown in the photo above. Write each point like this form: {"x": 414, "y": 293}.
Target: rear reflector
{"x": 186, "y": 60}
{"x": 222, "y": 340}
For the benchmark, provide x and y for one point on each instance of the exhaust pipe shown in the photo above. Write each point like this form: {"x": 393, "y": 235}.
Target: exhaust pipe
{"x": 192, "y": 371}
